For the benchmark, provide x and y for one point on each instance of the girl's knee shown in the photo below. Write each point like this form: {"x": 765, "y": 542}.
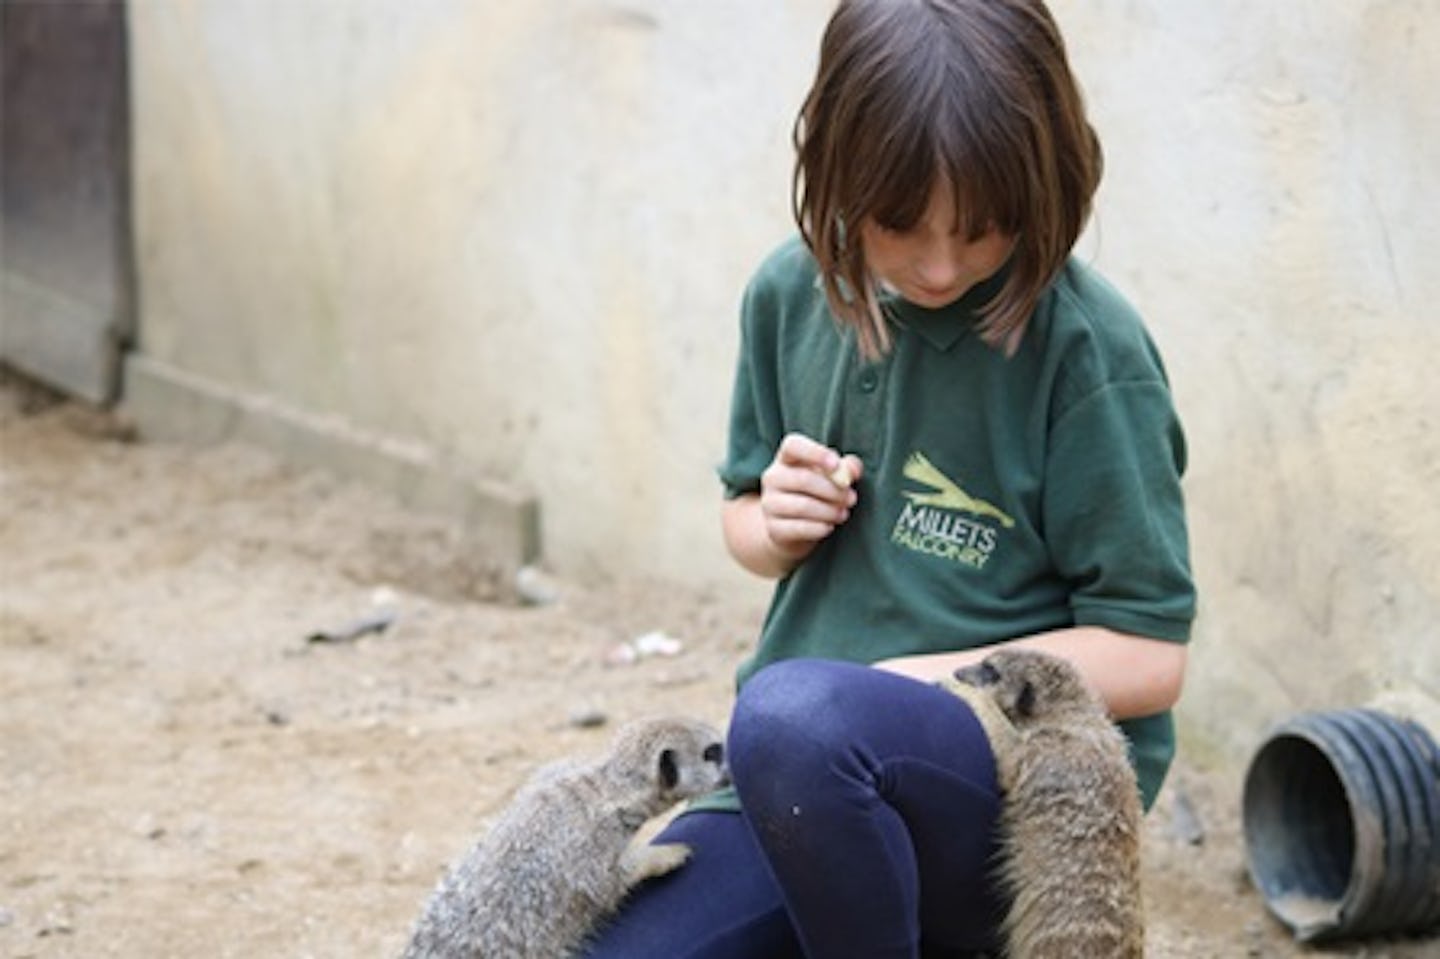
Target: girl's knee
{"x": 786, "y": 711}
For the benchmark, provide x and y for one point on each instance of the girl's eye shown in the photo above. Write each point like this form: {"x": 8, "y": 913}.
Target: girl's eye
{"x": 981, "y": 230}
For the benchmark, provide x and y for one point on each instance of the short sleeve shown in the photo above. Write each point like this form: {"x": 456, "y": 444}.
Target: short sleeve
{"x": 1114, "y": 510}
{"x": 755, "y": 427}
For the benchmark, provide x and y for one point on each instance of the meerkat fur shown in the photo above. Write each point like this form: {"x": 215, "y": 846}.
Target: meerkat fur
{"x": 563, "y": 854}
{"x": 1070, "y": 820}
{"x": 999, "y": 730}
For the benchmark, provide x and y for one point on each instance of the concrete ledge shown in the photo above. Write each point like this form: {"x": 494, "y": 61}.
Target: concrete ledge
{"x": 170, "y": 404}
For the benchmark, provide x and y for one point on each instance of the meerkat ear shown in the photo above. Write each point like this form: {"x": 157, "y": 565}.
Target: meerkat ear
{"x": 669, "y": 769}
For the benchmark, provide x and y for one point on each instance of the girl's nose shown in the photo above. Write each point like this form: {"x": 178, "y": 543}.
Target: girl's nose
{"x": 939, "y": 265}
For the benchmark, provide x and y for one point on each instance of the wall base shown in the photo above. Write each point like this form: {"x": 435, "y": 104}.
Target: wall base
{"x": 167, "y": 403}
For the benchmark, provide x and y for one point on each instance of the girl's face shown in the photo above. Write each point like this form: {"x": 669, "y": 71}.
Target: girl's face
{"x": 935, "y": 262}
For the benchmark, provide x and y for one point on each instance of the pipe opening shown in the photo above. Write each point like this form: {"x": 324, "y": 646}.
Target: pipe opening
{"x": 1299, "y": 832}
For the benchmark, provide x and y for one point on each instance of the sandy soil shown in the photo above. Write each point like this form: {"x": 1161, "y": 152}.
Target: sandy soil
{"x": 183, "y": 773}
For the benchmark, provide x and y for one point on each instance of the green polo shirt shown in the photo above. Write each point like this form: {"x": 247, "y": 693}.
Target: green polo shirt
{"x": 1002, "y": 496}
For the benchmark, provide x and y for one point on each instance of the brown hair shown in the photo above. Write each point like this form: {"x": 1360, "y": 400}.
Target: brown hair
{"x": 975, "y": 93}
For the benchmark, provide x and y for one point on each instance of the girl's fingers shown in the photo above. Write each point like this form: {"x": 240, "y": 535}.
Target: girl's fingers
{"x": 802, "y": 465}
{"x": 797, "y": 449}
{"x": 800, "y": 451}
{"x": 799, "y": 507}
{"x": 801, "y": 533}
{"x": 820, "y": 491}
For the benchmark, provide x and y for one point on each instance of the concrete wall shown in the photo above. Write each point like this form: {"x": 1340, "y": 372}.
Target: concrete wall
{"x": 512, "y": 236}
{"x": 1272, "y": 200}
{"x": 515, "y": 233}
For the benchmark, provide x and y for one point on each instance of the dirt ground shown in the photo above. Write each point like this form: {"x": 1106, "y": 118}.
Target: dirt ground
{"x": 184, "y": 773}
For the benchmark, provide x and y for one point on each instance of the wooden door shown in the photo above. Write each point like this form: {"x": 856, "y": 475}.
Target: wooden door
{"x": 66, "y": 299}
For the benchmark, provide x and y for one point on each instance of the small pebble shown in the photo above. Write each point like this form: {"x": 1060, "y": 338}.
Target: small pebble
{"x": 588, "y": 717}
{"x": 534, "y": 587}
{"x": 1185, "y": 823}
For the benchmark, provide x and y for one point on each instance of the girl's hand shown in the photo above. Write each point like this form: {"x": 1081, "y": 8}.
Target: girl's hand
{"x": 804, "y": 495}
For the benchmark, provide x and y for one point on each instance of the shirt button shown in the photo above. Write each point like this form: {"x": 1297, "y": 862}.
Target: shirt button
{"x": 868, "y": 381}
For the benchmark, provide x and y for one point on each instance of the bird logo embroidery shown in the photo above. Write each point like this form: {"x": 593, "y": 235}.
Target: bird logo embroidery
{"x": 945, "y": 493}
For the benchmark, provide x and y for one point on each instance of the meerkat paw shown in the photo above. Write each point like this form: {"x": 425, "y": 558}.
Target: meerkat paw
{"x": 648, "y": 862}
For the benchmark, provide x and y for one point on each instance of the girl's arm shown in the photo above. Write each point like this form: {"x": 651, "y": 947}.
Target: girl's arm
{"x": 799, "y": 504}
{"x": 1134, "y": 675}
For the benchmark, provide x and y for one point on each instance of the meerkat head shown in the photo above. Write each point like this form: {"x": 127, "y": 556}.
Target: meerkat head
{"x": 675, "y": 757}
{"x": 1027, "y": 684}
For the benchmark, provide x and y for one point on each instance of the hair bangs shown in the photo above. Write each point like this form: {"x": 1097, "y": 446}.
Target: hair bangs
{"x": 895, "y": 189}
{"x": 946, "y": 138}
{"x": 982, "y": 156}
{"x": 985, "y": 198}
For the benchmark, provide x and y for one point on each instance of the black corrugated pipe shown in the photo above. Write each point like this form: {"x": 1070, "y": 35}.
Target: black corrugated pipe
{"x": 1341, "y": 813}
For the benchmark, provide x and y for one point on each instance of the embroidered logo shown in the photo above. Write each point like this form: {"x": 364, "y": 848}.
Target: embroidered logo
{"x": 944, "y": 520}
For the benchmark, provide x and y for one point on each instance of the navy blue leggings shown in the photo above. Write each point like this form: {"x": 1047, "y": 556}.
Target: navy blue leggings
{"x": 870, "y": 807}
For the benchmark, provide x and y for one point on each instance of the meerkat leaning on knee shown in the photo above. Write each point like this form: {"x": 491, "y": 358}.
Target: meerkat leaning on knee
{"x": 1071, "y": 815}
{"x": 562, "y": 856}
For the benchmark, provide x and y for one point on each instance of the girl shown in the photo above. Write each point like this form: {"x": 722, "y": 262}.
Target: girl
{"x": 945, "y": 435}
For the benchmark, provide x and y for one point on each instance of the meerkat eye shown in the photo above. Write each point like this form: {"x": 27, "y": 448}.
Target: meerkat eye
{"x": 669, "y": 770}
{"x": 714, "y": 753}
{"x": 1025, "y": 701}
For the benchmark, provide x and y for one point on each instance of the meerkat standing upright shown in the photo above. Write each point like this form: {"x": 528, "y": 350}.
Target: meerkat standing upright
{"x": 1071, "y": 815}
{"x": 561, "y": 857}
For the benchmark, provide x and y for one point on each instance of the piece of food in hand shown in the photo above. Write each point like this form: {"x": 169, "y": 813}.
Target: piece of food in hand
{"x": 841, "y": 476}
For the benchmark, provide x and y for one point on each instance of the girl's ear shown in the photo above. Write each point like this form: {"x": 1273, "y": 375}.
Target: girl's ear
{"x": 669, "y": 771}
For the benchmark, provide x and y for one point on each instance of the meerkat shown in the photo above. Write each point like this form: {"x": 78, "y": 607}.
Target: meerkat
{"x": 564, "y": 853}
{"x": 1070, "y": 820}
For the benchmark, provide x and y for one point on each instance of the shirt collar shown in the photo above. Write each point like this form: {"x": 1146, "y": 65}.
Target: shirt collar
{"x": 944, "y": 326}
